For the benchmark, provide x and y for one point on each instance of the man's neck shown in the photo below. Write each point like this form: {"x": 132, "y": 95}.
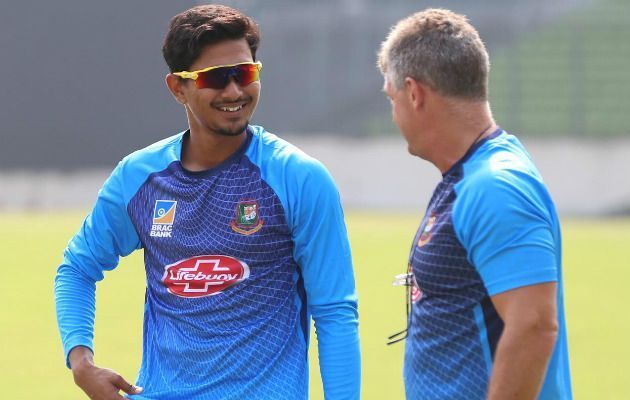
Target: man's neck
{"x": 458, "y": 131}
{"x": 205, "y": 150}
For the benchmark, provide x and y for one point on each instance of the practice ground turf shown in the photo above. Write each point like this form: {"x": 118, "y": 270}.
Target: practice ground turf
{"x": 597, "y": 276}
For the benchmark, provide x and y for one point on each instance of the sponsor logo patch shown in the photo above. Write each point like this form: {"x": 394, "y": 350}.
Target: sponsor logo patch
{"x": 247, "y": 218}
{"x": 416, "y": 293}
{"x": 202, "y": 276}
{"x": 163, "y": 218}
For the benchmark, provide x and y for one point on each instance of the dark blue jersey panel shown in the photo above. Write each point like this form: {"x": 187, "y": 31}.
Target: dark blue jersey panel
{"x": 444, "y": 358}
{"x": 251, "y": 326}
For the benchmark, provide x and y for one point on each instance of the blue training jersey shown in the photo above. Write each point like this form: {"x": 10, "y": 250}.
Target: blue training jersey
{"x": 238, "y": 258}
{"x": 490, "y": 226}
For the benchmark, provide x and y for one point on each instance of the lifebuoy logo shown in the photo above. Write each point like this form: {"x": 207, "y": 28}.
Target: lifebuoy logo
{"x": 204, "y": 275}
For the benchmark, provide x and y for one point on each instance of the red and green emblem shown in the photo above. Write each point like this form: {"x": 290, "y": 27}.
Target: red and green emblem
{"x": 426, "y": 234}
{"x": 247, "y": 217}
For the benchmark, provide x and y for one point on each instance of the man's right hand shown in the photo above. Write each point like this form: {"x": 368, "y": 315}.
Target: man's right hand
{"x": 97, "y": 383}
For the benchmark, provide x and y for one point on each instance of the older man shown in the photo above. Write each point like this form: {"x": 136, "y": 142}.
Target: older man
{"x": 487, "y": 317}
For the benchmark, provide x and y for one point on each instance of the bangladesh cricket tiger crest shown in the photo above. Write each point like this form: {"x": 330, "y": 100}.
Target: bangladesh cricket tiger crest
{"x": 426, "y": 234}
{"x": 247, "y": 219}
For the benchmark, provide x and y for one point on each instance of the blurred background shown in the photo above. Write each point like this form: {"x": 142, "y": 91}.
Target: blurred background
{"x": 83, "y": 86}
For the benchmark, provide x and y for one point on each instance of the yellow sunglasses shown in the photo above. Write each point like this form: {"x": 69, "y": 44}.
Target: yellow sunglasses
{"x": 218, "y": 77}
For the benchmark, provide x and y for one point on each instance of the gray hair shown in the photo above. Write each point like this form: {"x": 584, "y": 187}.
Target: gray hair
{"x": 440, "y": 49}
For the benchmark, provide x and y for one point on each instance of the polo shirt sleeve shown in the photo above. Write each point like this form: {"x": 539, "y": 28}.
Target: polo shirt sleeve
{"x": 503, "y": 220}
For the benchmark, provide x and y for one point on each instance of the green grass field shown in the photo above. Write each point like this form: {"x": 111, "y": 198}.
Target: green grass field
{"x": 597, "y": 274}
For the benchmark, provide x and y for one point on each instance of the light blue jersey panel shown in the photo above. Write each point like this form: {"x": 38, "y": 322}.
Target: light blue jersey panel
{"x": 315, "y": 217}
{"x": 507, "y": 222}
{"x": 107, "y": 234}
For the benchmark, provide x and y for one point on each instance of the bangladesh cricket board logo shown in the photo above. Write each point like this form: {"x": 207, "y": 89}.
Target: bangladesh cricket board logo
{"x": 202, "y": 276}
{"x": 247, "y": 219}
{"x": 426, "y": 234}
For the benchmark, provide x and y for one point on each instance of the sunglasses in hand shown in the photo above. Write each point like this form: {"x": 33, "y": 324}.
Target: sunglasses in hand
{"x": 405, "y": 280}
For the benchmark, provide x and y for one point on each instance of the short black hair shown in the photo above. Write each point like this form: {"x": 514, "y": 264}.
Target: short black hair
{"x": 192, "y": 30}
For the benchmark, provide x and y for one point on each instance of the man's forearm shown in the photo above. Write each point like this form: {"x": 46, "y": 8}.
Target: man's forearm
{"x": 520, "y": 362}
{"x": 75, "y": 299}
{"x": 339, "y": 351}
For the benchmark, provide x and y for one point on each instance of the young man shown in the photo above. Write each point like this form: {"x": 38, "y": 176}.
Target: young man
{"x": 243, "y": 238}
{"x": 485, "y": 277}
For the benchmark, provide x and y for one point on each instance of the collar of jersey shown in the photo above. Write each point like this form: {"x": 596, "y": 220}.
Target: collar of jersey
{"x": 472, "y": 150}
{"x": 225, "y": 164}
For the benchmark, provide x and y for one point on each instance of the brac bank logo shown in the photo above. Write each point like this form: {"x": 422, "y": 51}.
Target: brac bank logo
{"x": 163, "y": 218}
{"x": 204, "y": 275}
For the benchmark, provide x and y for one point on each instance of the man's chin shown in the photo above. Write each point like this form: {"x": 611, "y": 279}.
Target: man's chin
{"x": 232, "y": 131}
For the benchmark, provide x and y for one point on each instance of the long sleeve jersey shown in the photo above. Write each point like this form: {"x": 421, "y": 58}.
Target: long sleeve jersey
{"x": 238, "y": 259}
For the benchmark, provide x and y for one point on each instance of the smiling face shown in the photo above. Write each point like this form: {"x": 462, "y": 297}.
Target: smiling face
{"x": 224, "y": 111}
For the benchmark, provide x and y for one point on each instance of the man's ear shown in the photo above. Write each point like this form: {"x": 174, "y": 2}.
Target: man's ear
{"x": 176, "y": 86}
{"x": 416, "y": 93}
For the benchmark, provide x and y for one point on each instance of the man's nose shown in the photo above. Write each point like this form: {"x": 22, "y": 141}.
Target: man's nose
{"x": 233, "y": 90}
